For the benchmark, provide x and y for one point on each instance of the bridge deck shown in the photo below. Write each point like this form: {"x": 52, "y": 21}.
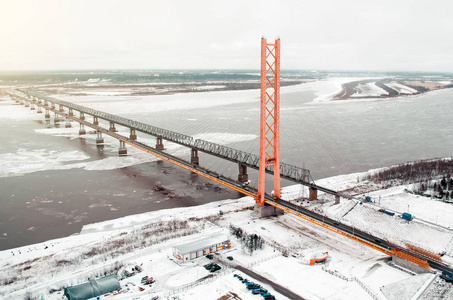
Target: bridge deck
{"x": 287, "y": 171}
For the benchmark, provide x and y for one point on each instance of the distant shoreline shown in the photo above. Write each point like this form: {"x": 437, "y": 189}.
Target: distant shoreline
{"x": 387, "y": 88}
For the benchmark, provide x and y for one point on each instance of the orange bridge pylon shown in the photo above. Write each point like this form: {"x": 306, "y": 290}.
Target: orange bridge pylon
{"x": 270, "y": 117}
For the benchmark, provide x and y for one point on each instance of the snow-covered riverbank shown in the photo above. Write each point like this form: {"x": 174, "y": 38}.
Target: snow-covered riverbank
{"x": 51, "y": 265}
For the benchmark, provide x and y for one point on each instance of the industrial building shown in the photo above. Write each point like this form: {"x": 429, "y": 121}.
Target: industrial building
{"x": 92, "y": 288}
{"x": 201, "y": 247}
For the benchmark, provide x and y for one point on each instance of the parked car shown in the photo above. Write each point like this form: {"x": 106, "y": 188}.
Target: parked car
{"x": 259, "y": 291}
{"x": 230, "y": 257}
{"x": 268, "y": 296}
{"x": 214, "y": 268}
{"x": 253, "y": 287}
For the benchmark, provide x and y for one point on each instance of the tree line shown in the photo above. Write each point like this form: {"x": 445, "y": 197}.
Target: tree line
{"x": 249, "y": 242}
{"x": 414, "y": 172}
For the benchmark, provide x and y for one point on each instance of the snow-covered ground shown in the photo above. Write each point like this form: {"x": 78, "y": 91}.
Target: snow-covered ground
{"x": 351, "y": 271}
{"x": 326, "y": 89}
{"x": 431, "y": 229}
{"x": 402, "y": 89}
{"x": 369, "y": 89}
{"x": 172, "y": 279}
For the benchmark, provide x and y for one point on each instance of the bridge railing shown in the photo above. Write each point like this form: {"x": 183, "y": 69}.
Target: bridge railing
{"x": 245, "y": 158}
{"x": 287, "y": 171}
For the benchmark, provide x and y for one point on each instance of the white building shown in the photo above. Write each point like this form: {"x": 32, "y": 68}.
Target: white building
{"x": 201, "y": 247}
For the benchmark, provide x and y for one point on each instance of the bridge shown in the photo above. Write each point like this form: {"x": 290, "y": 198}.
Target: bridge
{"x": 295, "y": 174}
{"x": 242, "y": 158}
{"x": 270, "y": 165}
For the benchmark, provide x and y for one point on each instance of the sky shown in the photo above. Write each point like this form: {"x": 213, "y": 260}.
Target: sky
{"x": 396, "y": 35}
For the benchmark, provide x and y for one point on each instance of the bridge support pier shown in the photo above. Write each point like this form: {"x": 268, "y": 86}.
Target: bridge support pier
{"x": 21, "y": 102}
{"x": 243, "y": 176}
{"x": 46, "y": 103}
{"x": 407, "y": 264}
{"x": 61, "y": 108}
{"x": 194, "y": 159}
{"x": 99, "y": 139}
{"x": 71, "y": 112}
{"x": 17, "y": 100}
{"x": 267, "y": 210}
{"x": 112, "y": 127}
{"x": 82, "y": 116}
{"x": 26, "y": 104}
{"x": 313, "y": 193}
{"x": 39, "y": 101}
{"x": 95, "y": 121}
{"x": 48, "y": 123}
{"x": 82, "y": 130}
{"x": 337, "y": 199}
{"x": 56, "y": 119}
{"x": 52, "y": 105}
{"x": 159, "y": 143}
{"x": 133, "y": 135}
{"x": 39, "y": 110}
{"x": 122, "y": 151}
{"x": 32, "y": 107}
{"x": 47, "y": 115}
{"x": 68, "y": 123}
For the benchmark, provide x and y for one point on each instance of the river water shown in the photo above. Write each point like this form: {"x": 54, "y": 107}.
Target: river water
{"x": 53, "y": 182}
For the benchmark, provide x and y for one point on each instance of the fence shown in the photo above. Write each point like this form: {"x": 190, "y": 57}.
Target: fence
{"x": 198, "y": 282}
{"x": 263, "y": 259}
{"x": 362, "y": 285}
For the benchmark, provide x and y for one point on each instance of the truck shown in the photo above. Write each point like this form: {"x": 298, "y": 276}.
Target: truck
{"x": 387, "y": 212}
{"x": 407, "y": 216}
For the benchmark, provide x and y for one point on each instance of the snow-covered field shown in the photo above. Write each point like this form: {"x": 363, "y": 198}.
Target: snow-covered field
{"x": 369, "y": 89}
{"x": 431, "y": 229}
{"x": 402, "y": 89}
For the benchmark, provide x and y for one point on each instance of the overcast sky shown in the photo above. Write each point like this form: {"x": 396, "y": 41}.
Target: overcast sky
{"x": 404, "y": 35}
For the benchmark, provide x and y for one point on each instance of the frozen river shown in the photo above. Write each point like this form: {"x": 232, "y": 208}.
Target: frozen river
{"x": 54, "y": 182}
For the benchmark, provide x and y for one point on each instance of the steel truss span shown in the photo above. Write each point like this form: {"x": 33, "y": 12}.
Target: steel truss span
{"x": 287, "y": 171}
